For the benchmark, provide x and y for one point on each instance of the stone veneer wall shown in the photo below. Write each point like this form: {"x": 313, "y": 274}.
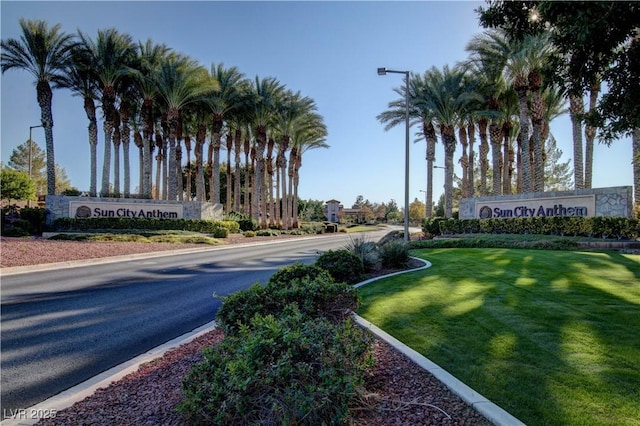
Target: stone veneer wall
{"x": 614, "y": 201}
{"x": 57, "y": 206}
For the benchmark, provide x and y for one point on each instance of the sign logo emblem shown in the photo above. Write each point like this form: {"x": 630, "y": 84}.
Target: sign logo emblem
{"x": 485, "y": 212}
{"x": 83, "y": 212}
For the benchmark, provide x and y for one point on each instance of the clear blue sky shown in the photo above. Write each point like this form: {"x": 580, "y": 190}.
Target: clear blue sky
{"x": 328, "y": 51}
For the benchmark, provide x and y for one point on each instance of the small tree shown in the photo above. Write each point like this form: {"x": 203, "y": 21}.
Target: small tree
{"x": 16, "y": 185}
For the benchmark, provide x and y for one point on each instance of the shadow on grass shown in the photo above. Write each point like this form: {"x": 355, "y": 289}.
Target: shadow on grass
{"x": 550, "y": 336}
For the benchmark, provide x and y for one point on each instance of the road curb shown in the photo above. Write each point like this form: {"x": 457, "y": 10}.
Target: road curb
{"x": 488, "y": 409}
{"x": 67, "y": 398}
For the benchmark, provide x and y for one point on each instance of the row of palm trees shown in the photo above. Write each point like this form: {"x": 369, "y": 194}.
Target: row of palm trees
{"x": 166, "y": 101}
{"x": 499, "y": 94}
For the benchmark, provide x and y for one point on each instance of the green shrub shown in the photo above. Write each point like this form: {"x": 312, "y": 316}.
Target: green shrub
{"x": 431, "y": 225}
{"x": 281, "y": 371}
{"x": 343, "y": 265}
{"x": 298, "y": 271}
{"x": 247, "y": 225}
{"x": 220, "y": 232}
{"x": 599, "y": 226}
{"x": 267, "y": 233}
{"x": 22, "y": 221}
{"x": 232, "y": 226}
{"x": 314, "y": 293}
{"x": 249, "y": 234}
{"x": 394, "y": 254}
{"x": 330, "y": 227}
{"x": 367, "y": 251}
{"x": 111, "y": 223}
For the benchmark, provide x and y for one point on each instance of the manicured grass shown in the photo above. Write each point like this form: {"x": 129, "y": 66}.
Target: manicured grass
{"x": 553, "y": 337}
{"x": 360, "y": 228}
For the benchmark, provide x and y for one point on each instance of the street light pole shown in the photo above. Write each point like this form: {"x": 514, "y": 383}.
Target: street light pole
{"x": 384, "y": 71}
{"x": 31, "y": 147}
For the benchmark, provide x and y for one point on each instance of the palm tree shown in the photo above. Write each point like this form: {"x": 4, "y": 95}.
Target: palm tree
{"x": 488, "y": 56}
{"x": 448, "y": 99}
{"x": 43, "y": 52}
{"x": 79, "y": 79}
{"x": 311, "y": 136}
{"x": 265, "y": 95}
{"x": 539, "y": 49}
{"x": 292, "y": 116}
{"x": 180, "y": 81}
{"x": 221, "y": 103}
{"x": 110, "y": 54}
{"x": 150, "y": 56}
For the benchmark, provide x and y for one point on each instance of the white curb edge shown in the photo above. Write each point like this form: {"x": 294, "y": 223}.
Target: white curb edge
{"x": 488, "y": 409}
{"x": 67, "y": 398}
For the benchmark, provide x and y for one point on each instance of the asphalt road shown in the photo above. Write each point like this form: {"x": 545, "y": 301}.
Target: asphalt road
{"x": 61, "y": 327}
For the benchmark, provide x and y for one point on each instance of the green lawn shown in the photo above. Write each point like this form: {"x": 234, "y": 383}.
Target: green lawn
{"x": 553, "y": 337}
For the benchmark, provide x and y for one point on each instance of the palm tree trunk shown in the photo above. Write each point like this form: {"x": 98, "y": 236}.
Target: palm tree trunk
{"x": 495, "y": 133}
{"x": 430, "y": 136}
{"x": 187, "y": 146}
{"x": 247, "y": 178}
{"x": 484, "y": 154}
{"x": 199, "y": 154}
{"x": 106, "y": 161}
{"x": 635, "y": 155}
{"x": 471, "y": 134}
{"x": 90, "y": 109}
{"x": 125, "y": 136}
{"x": 290, "y": 173}
{"x": 464, "y": 161}
{"x": 590, "y": 135}
{"x": 507, "y": 158}
{"x": 45, "y": 96}
{"x": 116, "y": 162}
{"x": 449, "y": 142}
{"x": 259, "y": 190}
{"x": 521, "y": 89}
{"x": 236, "y": 182}
{"x": 216, "y": 141}
{"x": 576, "y": 109}
{"x": 147, "y": 152}
{"x": 294, "y": 198}
{"x": 229, "y": 178}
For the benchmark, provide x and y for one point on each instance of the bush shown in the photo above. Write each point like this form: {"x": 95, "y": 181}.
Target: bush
{"x": 343, "y": 265}
{"x": 298, "y": 271}
{"x": 20, "y": 222}
{"x": 394, "y": 254}
{"x": 285, "y": 370}
{"x": 367, "y": 251}
{"x": 267, "y": 233}
{"x": 431, "y": 225}
{"x": 311, "y": 290}
{"x": 249, "y": 234}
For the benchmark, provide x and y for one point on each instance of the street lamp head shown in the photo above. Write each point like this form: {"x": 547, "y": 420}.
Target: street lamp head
{"x": 382, "y": 71}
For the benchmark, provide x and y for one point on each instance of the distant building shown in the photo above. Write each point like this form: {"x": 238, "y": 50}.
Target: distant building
{"x": 334, "y": 212}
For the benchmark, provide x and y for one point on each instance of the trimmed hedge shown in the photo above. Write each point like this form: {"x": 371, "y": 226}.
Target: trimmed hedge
{"x": 219, "y": 229}
{"x": 594, "y": 227}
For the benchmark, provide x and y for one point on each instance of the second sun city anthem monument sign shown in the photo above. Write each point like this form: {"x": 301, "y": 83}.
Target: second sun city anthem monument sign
{"x": 613, "y": 202}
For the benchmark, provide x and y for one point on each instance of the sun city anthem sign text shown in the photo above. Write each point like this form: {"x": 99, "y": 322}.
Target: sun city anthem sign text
{"x": 82, "y": 210}
{"x": 536, "y": 207}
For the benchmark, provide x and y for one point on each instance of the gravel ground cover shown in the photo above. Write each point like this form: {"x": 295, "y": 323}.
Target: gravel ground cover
{"x": 396, "y": 392}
